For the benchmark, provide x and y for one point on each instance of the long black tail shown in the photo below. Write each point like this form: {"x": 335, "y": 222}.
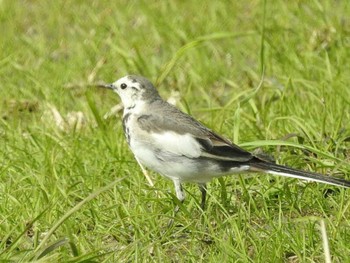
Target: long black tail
{"x": 272, "y": 168}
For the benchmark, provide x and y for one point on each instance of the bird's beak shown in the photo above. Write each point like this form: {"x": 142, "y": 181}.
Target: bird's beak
{"x": 106, "y": 86}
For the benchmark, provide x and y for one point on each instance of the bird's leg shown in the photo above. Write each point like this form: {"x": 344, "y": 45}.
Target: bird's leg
{"x": 180, "y": 194}
{"x": 203, "y": 189}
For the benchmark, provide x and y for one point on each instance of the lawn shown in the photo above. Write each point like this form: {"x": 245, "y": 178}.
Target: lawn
{"x": 271, "y": 76}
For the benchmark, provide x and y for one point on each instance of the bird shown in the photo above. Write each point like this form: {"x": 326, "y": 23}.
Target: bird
{"x": 180, "y": 148}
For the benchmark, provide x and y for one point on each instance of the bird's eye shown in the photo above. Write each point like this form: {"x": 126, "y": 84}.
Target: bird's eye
{"x": 123, "y": 86}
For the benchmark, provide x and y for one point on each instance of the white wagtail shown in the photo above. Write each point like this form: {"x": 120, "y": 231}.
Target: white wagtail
{"x": 182, "y": 149}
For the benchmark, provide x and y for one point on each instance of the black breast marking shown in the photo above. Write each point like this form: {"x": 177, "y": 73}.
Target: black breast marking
{"x": 126, "y": 127}
{"x": 130, "y": 108}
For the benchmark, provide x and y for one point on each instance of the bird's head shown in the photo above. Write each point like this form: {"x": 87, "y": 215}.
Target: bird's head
{"x": 133, "y": 89}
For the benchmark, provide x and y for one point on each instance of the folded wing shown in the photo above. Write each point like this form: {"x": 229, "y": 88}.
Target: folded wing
{"x": 186, "y": 136}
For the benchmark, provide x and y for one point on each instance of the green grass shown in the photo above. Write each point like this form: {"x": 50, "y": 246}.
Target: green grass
{"x": 54, "y": 207}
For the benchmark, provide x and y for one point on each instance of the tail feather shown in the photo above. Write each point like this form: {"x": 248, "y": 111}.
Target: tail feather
{"x": 272, "y": 168}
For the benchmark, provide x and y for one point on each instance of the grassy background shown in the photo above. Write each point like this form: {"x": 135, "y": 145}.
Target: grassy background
{"x": 58, "y": 151}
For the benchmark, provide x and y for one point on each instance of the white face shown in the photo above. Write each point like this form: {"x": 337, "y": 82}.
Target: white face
{"x": 128, "y": 90}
